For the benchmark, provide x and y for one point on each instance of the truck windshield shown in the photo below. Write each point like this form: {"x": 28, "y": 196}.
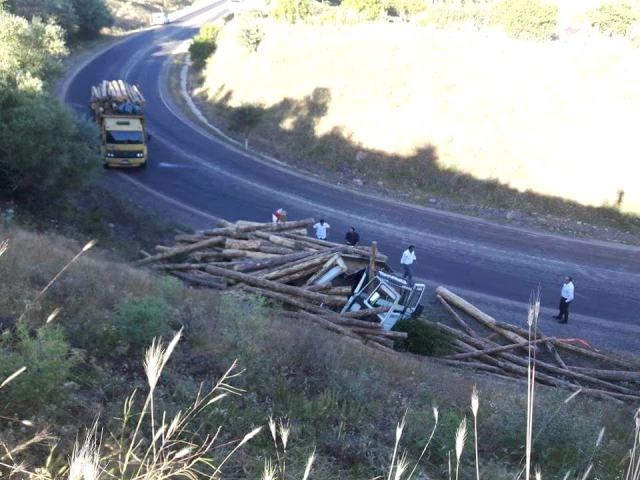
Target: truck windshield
{"x": 124, "y": 136}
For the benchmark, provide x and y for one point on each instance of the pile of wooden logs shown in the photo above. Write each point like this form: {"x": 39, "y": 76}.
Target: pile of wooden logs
{"x": 504, "y": 349}
{"x": 279, "y": 262}
{"x": 115, "y": 92}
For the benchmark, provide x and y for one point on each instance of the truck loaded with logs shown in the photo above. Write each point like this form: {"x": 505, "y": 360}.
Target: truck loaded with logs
{"x": 118, "y": 107}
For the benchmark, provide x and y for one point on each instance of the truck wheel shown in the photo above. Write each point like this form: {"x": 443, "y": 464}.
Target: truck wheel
{"x": 143, "y": 165}
{"x": 106, "y": 166}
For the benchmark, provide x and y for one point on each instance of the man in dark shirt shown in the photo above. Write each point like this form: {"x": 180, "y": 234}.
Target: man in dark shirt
{"x": 352, "y": 237}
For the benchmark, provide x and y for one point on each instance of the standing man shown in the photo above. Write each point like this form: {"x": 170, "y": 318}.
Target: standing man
{"x": 352, "y": 237}
{"x": 566, "y": 297}
{"x": 407, "y": 261}
{"x": 321, "y": 229}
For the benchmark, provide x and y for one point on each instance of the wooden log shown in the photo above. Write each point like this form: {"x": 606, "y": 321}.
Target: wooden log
{"x": 179, "y": 266}
{"x": 457, "y": 318}
{"x": 264, "y": 227}
{"x": 276, "y": 249}
{"x": 613, "y": 375}
{"x": 192, "y": 238}
{"x": 554, "y": 353}
{"x": 333, "y": 318}
{"x": 204, "y": 281}
{"x": 233, "y": 244}
{"x": 474, "y": 365}
{"x": 293, "y": 277}
{"x": 591, "y": 354}
{"x": 360, "y": 250}
{"x": 180, "y": 250}
{"x": 384, "y": 333}
{"x": 280, "y": 241}
{"x": 319, "y": 288}
{"x": 387, "y": 342}
{"x": 249, "y": 254}
{"x": 269, "y": 285}
{"x": 328, "y": 325}
{"x": 346, "y": 291}
{"x": 372, "y": 259}
{"x": 488, "y": 351}
{"x": 323, "y": 269}
{"x": 365, "y": 312}
{"x": 162, "y": 248}
{"x": 479, "y": 315}
{"x": 284, "y": 259}
{"x": 307, "y": 264}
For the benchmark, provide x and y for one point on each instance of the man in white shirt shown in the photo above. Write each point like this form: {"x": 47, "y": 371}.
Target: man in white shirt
{"x": 321, "y": 229}
{"x": 407, "y": 261}
{"x": 566, "y": 297}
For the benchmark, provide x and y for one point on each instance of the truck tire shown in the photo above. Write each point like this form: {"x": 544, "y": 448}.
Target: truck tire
{"x": 105, "y": 166}
{"x": 143, "y": 166}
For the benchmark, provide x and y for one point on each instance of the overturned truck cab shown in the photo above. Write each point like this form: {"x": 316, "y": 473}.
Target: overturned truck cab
{"x": 386, "y": 290}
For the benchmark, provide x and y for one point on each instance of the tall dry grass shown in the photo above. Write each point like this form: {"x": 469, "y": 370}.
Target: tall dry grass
{"x": 556, "y": 119}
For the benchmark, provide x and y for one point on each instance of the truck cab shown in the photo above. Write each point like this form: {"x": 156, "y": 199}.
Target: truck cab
{"x": 123, "y": 141}
{"x": 401, "y": 298}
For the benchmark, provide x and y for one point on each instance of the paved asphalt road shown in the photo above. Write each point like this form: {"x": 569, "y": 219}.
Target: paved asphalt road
{"x": 494, "y": 266}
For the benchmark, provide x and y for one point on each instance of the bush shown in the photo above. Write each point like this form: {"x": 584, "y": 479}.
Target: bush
{"x": 367, "y": 10}
{"x": 46, "y": 356}
{"x": 138, "y": 320}
{"x": 444, "y": 16}
{"x": 93, "y": 16}
{"x": 423, "y": 338}
{"x": 615, "y": 17}
{"x": 47, "y": 150}
{"x": 245, "y": 117}
{"x": 527, "y": 19}
{"x": 405, "y": 8}
{"x": 286, "y": 10}
{"x": 249, "y": 36}
{"x": 204, "y": 45}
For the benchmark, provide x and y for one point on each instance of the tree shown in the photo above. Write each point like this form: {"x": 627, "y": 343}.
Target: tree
{"x": 292, "y": 11}
{"x": 367, "y": 10}
{"x": 30, "y": 50}
{"x": 244, "y": 118}
{"x": 93, "y": 16}
{"x": 46, "y": 151}
{"x": 204, "y": 45}
{"x": 62, "y": 13}
{"x": 527, "y": 19}
{"x": 615, "y": 17}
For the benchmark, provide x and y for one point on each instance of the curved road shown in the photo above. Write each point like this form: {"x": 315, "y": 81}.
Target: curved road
{"x": 494, "y": 266}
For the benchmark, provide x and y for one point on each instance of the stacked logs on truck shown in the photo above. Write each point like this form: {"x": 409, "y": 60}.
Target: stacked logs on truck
{"x": 485, "y": 344}
{"x": 111, "y": 93}
{"x": 280, "y": 263}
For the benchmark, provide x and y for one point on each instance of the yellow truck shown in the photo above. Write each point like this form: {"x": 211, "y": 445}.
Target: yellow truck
{"x": 118, "y": 107}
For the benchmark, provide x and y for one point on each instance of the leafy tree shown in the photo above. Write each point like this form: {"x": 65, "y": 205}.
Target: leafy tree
{"x": 367, "y": 10}
{"x": 46, "y": 150}
{"x": 527, "y": 19}
{"x": 286, "y": 10}
{"x": 250, "y": 35}
{"x": 204, "y": 45}
{"x": 30, "y": 49}
{"x": 62, "y": 13}
{"x": 93, "y": 16}
{"x": 615, "y": 17}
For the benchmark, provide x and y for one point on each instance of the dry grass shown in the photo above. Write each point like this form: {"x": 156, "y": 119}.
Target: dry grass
{"x": 556, "y": 119}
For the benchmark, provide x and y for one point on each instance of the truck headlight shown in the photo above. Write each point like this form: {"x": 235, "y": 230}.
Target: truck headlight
{"x": 139, "y": 154}
{"x": 110, "y": 154}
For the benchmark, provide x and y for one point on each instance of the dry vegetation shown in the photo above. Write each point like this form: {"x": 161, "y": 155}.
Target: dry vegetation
{"x": 341, "y": 399}
{"x": 467, "y": 114}
{"x": 130, "y": 15}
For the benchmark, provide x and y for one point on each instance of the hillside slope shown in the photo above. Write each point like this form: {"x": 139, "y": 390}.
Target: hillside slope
{"x": 556, "y": 119}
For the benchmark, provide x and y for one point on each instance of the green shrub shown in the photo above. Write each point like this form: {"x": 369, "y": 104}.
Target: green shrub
{"x": 93, "y": 16}
{"x": 526, "y": 19}
{"x": 615, "y": 17}
{"x": 249, "y": 36}
{"x": 423, "y": 338}
{"x": 286, "y": 10}
{"x": 444, "y": 16}
{"x": 138, "y": 320}
{"x": 47, "y": 150}
{"x": 405, "y": 8}
{"x": 245, "y": 117}
{"x": 367, "y": 10}
{"x": 46, "y": 357}
{"x": 204, "y": 45}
